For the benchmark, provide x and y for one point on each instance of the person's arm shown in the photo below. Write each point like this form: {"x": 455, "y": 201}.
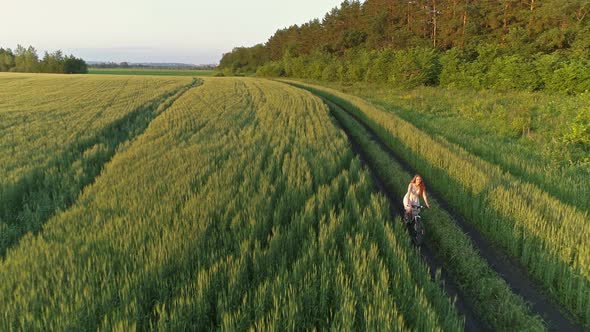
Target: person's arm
{"x": 425, "y": 199}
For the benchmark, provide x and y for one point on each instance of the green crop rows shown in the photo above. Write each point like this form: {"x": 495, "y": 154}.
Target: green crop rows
{"x": 175, "y": 203}
{"x": 235, "y": 204}
{"x": 538, "y": 137}
{"x": 549, "y": 237}
{"x": 481, "y": 286}
{"x": 58, "y": 132}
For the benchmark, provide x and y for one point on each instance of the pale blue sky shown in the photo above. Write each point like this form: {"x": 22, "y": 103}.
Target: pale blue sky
{"x": 185, "y": 31}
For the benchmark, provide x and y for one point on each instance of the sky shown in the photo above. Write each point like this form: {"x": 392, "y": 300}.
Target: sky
{"x": 196, "y": 32}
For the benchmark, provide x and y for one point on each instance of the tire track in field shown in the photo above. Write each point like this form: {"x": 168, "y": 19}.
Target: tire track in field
{"x": 55, "y": 188}
{"x": 472, "y": 322}
{"x": 509, "y": 270}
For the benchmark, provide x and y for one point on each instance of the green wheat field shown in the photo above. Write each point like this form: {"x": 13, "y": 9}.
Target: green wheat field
{"x": 172, "y": 200}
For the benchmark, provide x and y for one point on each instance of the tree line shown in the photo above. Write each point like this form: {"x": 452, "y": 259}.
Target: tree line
{"x": 505, "y": 44}
{"x": 26, "y": 60}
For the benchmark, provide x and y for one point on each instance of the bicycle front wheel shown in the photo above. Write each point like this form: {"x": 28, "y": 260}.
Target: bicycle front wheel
{"x": 418, "y": 232}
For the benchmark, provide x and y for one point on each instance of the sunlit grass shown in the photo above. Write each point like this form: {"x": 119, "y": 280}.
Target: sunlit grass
{"x": 549, "y": 237}
{"x": 480, "y": 286}
{"x": 241, "y": 206}
{"x": 58, "y": 132}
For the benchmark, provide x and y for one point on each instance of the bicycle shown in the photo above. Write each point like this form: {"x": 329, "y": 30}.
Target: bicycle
{"x": 415, "y": 226}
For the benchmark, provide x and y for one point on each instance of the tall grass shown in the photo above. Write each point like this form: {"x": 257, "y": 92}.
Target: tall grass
{"x": 524, "y": 133}
{"x": 549, "y": 237}
{"x": 59, "y": 133}
{"x": 240, "y": 207}
{"x": 480, "y": 286}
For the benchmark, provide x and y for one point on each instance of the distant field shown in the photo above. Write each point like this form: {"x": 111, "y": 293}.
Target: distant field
{"x": 158, "y": 72}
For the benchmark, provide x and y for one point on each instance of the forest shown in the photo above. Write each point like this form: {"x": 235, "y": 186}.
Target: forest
{"x": 26, "y": 60}
{"x": 526, "y": 45}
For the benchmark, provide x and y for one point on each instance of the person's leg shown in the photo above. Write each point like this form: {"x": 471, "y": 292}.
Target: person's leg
{"x": 407, "y": 208}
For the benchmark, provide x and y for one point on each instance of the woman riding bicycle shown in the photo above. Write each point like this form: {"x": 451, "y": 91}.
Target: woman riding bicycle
{"x": 416, "y": 188}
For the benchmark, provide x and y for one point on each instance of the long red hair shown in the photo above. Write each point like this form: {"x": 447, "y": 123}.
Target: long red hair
{"x": 421, "y": 185}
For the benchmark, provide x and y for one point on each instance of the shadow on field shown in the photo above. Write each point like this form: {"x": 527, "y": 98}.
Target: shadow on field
{"x": 44, "y": 192}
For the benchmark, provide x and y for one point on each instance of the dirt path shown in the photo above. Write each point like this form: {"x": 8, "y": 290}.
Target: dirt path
{"x": 472, "y": 323}
{"x": 512, "y": 272}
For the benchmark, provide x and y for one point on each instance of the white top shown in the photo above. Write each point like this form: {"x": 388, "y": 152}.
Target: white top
{"x": 412, "y": 196}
